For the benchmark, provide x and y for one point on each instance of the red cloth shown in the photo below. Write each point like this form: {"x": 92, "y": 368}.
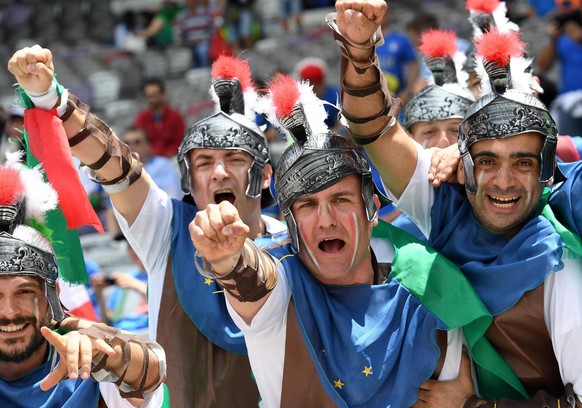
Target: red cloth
{"x": 48, "y": 143}
{"x": 165, "y": 132}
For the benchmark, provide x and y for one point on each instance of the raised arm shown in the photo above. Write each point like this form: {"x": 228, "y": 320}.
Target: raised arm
{"x": 91, "y": 140}
{"x": 368, "y": 107}
{"x": 247, "y": 274}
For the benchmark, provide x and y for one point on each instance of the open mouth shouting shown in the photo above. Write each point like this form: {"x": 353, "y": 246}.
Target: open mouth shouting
{"x": 503, "y": 202}
{"x": 224, "y": 195}
{"x": 331, "y": 245}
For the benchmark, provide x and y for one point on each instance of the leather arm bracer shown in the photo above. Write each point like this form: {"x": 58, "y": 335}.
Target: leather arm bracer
{"x": 113, "y": 149}
{"x": 253, "y": 276}
{"x": 368, "y": 109}
{"x": 100, "y": 373}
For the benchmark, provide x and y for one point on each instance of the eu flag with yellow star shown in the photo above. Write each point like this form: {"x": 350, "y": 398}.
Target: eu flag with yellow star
{"x": 373, "y": 345}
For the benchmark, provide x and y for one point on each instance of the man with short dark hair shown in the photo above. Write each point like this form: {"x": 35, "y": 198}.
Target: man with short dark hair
{"x": 164, "y": 124}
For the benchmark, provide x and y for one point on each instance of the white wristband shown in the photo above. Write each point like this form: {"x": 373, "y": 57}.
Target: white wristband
{"x": 62, "y": 108}
{"x": 46, "y": 100}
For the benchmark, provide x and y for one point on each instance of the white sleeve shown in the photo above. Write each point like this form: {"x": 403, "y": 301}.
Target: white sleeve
{"x": 418, "y": 197}
{"x": 265, "y": 339}
{"x": 563, "y": 315}
{"x": 110, "y": 395}
{"x": 452, "y": 362}
{"x": 150, "y": 237}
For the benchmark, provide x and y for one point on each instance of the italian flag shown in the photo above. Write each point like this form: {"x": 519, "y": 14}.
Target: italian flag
{"x": 47, "y": 144}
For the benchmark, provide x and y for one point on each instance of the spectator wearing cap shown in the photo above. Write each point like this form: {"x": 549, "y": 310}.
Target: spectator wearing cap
{"x": 315, "y": 71}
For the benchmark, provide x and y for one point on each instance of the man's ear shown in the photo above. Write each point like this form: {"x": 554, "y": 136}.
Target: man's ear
{"x": 267, "y": 175}
{"x": 374, "y": 222}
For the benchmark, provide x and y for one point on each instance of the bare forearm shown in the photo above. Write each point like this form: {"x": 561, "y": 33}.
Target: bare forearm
{"x": 546, "y": 57}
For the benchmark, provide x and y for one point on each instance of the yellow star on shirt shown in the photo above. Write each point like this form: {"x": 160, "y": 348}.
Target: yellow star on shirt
{"x": 208, "y": 281}
{"x": 367, "y": 371}
{"x": 338, "y": 384}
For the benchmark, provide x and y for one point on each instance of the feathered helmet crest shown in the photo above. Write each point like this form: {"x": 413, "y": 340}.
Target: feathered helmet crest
{"x": 447, "y": 95}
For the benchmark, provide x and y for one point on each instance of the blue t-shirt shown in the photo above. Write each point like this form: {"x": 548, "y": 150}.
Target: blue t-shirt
{"x": 393, "y": 56}
{"x": 570, "y": 54}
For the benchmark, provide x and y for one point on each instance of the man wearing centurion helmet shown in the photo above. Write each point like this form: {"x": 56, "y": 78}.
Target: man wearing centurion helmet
{"x": 329, "y": 317}
{"x": 517, "y": 241}
{"x": 39, "y": 366}
{"x": 223, "y": 157}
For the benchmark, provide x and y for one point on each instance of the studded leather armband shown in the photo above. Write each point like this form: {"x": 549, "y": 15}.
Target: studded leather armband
{"x": 379, "y": 107}
{"x": 113, "y": 149}
{"x": 252, "y": 278}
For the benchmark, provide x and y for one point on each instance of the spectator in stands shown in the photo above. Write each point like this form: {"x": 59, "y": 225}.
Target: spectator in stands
{"x": 125, "y": 35}
{"x": 195, "y": 28}
{"x": 11, "y": 136}
{"x": 565, "y": 48}
{"x": 161, "y": 169}
{"x": 315, "y": 71}
{"x": 160, "y": 30}
{"x": 238, "y": 17}
{"x": 124, "y": 296}
{"x": 291, "y": 11}
{"x": 164, "y": 124}
{"x": 397, "y": 58}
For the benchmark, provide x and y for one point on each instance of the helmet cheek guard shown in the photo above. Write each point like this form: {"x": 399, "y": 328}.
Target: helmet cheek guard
{"x": 293, "y": 230}
{"x": 368, "y": 191}
{"x": 255, "y": 175}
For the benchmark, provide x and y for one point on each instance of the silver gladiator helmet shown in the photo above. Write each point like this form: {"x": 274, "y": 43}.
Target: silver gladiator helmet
{"x": 447, "y": 97}
{"x": 27, "y": 252}
{"x": 318, "y": 158}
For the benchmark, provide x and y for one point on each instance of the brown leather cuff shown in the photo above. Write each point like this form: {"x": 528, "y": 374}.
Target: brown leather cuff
{"x": 366, "y": 128}
{"x": 252, "y": 278}
{"x": 113, "y": 148}
{"x": 476, "y": 402}
{"x": 99, "y": 372}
